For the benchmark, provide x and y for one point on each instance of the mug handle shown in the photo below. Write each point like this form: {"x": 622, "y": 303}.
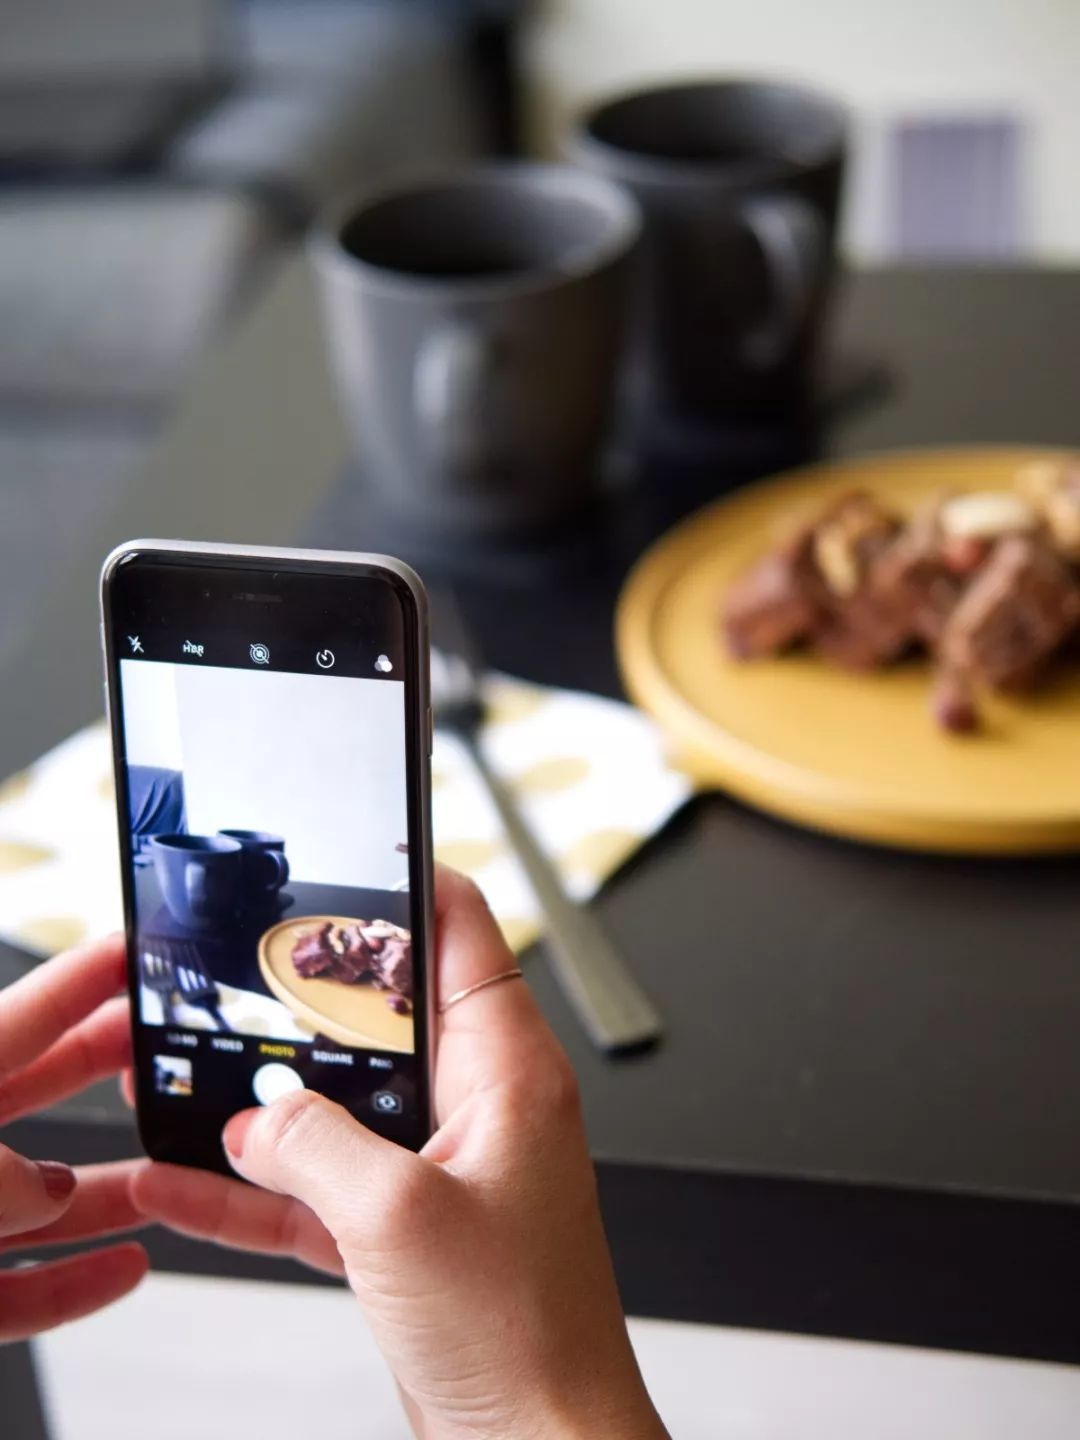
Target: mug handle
{"x": 792, "y": 240}
{"x": 195, "y": 888}
{"x": 280, "y": 868}
{"x": 450, "y": 392}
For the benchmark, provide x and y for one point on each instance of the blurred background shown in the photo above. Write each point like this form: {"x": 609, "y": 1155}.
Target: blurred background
{"x": 160, "y": 158}
{"x": 963, "y": 122}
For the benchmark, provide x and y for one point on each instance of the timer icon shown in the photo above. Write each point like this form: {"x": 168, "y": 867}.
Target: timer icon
{"x": 325, "y": 659}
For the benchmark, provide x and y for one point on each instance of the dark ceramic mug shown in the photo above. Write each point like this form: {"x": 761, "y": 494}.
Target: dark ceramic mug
{"x": 475, "y": 323}
{"x": 739, "y": 182}
{"x": 265, "y": 868}
{"x": 201, "y": 878}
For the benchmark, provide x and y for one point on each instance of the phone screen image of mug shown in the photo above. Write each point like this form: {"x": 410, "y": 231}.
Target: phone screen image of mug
{"x": 264, "y": 759}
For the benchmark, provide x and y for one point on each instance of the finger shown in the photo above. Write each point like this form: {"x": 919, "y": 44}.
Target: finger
{"x": 494, "y": 1035}
{"x": 413, "y": 1413}
{"x": 471, "y": 949}
{"x": 94, "y": 1050}
{"x": 43, "y": 1296}
{"x": 101, "y": 1205}
{"x": 32, "y": 1193}
{"x": 305, "y": 1146}
{"x": 127, "y": 1087}
{"x": 210, "y": 1207}
{"x": 37, "y": 1009}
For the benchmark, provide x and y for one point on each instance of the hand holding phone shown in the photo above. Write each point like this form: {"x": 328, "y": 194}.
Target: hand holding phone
{"x": 62, "y": 1029}
{"x": 481, "y": 1263}
{"x": 271, "y": 736}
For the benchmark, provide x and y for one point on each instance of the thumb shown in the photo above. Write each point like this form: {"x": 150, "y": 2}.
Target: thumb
{"x": 32, "y": 1194}
{"x": 305, "y": 1146}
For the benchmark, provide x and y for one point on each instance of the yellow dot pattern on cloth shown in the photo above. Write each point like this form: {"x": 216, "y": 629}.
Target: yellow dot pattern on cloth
{"x": 507, "y": 702}
{"x": 14, "y": 855}
{"x": 548, "y": 777}
{"x": 51, "y": 933}
{"x": 518, "y": 932}
{"x": 600, "y": 852}
{"x": 15, "y": 787}
{"x": 468, "y": 855}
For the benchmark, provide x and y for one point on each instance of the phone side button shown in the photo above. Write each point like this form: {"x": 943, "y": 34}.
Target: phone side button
{"x": 430, "y": 732}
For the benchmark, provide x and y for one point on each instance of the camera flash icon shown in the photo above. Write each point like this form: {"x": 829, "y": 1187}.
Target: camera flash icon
{"x": 383, "y": 665}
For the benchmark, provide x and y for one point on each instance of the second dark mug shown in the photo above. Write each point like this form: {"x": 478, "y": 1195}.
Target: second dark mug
{"x": 264, "y": 866}
{"x": 201, "y": 878}
{"x": 739, "y": 183}
{"x": 474, "y": 324}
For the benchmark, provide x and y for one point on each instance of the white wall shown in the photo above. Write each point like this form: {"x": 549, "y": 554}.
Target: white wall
{"x": 887, "y": 60}
{"x": 151, "y": 722}
{"x": 318, "y": 759}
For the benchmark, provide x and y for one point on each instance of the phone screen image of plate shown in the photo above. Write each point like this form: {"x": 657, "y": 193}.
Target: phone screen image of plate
{"x": 268, "y": 867}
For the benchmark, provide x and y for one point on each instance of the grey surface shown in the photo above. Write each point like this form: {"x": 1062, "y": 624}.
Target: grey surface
{"x": 57, "y": 477}
{"x": 69, "y": 39}
{"x": 200, "y": 486}
{"x": 337, "y": 97}
{"x": 106, "y": 295}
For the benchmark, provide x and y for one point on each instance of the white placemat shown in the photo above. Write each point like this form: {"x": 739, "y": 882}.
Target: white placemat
{"x": 590, "y": 775}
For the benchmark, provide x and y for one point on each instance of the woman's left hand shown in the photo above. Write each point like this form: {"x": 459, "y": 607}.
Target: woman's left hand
{"x": 62, "y": 1027}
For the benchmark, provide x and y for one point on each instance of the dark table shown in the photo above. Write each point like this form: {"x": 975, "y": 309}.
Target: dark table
{"x": 862, "y": 1121}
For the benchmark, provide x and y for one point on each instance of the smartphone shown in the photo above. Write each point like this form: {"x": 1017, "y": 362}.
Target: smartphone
{"x": 271, "y": 731}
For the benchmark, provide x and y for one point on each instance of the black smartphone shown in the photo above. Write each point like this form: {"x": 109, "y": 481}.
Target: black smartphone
{"x": 271, "y": 731}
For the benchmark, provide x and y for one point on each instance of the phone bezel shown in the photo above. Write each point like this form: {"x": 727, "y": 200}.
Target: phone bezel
{"x": 248, "y": 560}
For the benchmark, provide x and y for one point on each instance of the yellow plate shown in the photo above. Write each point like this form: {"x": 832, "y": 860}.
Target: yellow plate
{"x": 854, "y": 754}
{"x": 355, "y": 1015}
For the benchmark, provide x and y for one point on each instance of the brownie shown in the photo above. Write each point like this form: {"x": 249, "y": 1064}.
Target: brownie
{"x": 1017, "y": 611}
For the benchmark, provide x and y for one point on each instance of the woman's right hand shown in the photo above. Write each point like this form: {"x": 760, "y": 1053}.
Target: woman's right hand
{"x": 481, "y": 1263}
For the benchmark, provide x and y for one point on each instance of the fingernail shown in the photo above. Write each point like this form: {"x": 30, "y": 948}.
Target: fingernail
{"x": 235, "y": 1132}
{"x": 58, "y": 1179}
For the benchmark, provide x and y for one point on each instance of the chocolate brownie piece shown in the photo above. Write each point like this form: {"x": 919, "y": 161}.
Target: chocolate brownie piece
{"x": 1020, "y": 607}
{"x": 859, "y": 625}
{"x": 312, "y": 955}
{"x": 773, "y": 606}
{"x": 394, "y": 965}
{"x": 918, "y": 578}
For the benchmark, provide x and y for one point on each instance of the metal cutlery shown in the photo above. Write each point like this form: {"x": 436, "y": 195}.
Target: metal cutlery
{"x": 615, "y": 1011}
{"x": 193, "y": 983}
{"x": 156, "y": 973}
{"x": 174, "y": 969}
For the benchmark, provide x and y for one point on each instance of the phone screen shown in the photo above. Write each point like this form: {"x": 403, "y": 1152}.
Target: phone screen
{"x": 270, "y": 734}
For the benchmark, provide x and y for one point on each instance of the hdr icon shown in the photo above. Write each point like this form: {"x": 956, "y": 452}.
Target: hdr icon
{"x": 190, "y": 648}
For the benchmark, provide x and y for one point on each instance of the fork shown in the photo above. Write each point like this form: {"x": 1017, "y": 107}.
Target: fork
{"x": 156, "y": 972}
{"x": 615, "y": 1011}
{"x": 194, "y": 984}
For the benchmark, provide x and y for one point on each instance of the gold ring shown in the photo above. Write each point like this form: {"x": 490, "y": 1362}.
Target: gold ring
{"x": 459, "y": 995}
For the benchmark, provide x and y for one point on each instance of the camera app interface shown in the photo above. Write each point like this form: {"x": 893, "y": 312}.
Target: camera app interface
{"x": 267, "y": 800}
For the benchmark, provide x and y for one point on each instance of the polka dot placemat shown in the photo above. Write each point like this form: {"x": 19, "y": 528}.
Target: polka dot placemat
{"x": 590, "y": 775}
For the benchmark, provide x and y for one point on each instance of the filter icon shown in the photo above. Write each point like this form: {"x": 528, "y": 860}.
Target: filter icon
{"x": 383, "y": 665}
